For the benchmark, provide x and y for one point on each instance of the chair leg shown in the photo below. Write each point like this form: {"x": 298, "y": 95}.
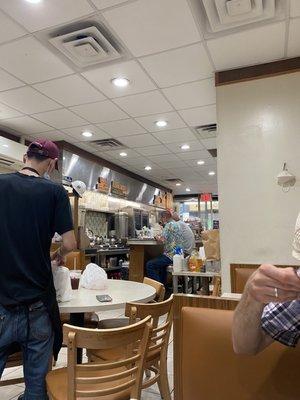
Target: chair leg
{"x": 163, "y": 381}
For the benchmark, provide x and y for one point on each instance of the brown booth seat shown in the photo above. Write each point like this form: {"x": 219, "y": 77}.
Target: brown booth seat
{"x": 210, "y": 369}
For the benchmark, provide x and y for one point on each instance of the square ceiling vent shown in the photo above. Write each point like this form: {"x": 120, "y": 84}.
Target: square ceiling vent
{"x": 86, "y": 46}
{"x": 222, "y": 15}
{"x": 207, "y": 131}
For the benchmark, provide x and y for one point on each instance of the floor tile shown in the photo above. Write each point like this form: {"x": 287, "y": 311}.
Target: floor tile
{"x": 10, "y": 392}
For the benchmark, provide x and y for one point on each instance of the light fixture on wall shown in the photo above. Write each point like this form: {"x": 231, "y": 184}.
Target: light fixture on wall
{"x": 285, "y": 179}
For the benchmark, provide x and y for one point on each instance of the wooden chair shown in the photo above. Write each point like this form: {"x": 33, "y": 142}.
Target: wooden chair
{"x": 159, "y": 288}
{"x": 15, "y": 360}
{"x": 117, "y": 380}
{"x": 156, "y": 359}
{"x": 272, "y": 374}
{"x": 240, "y": 273}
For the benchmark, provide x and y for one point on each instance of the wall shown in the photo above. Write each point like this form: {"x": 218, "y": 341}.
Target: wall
{"x": 259, "y": 129}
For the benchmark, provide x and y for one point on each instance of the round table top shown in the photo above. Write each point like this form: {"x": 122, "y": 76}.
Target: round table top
{"x": 121, "y": 292}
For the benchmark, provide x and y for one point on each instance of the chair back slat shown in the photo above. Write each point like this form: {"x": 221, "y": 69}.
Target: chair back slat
{"x": 107, "y": 365}
{"x": 159, "y": 288}
{"x": 106, "y": 378}
{"x": 105, "y": 392}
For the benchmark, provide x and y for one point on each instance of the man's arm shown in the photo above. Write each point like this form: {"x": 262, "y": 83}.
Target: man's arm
{"x": 68, "y": 244}
{"x": 268, "y": 284}
{"x": 248, "y": 336}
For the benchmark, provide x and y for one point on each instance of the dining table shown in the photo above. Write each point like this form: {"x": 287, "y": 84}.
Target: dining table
{"x": 121, "y": 292}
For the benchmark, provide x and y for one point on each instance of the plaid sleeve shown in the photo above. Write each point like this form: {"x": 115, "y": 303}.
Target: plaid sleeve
{"x": 281, "y": 321}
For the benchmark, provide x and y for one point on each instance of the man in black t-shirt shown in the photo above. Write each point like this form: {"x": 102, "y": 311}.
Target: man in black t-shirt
{"x": 32, "y": 209}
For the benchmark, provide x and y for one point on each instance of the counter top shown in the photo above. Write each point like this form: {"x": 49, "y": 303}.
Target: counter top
{"x": 143, "y": 242}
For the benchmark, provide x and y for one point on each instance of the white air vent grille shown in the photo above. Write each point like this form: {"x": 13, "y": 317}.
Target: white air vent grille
{"x": 108, "y": 144}
{"x": 222, "y": 15}
{"x": 86, "y": 46}
{"x": 207, "y": 131}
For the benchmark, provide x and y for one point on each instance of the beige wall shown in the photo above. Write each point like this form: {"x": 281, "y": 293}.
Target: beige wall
{"x": 259, "y": 129}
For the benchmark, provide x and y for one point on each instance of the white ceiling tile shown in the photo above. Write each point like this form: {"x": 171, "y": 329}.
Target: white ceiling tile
{"x": 131, "y": 154}
{"x": 199, "y": 116}
{"x": 26, "y": 125}
{"x": 184, "y": 172}
{"x": 172, "y": 118}
{"x": 166, "y": 158}
{"x": 7, "y": 112}
{"x": 7, "y": 81}
{"x": 295, "y": 8}
{"x": 101, "y": 4}
{"x": 60, "y": 119}
{"x": 176, "y": 147}
{"x": 30, "y": 61}
{"x": 124, "y": 127}
{"x": 137, "y": 161}
{"x": 200, "y": 168}
{"x": 153, "y": 26}
{"x": 76, "y": 133}
{"x": 179, "y": 66}
{"x": 249, "y": 47}
{"x": 175, "y": 163}
{"x": 55, "y": 136}
{"x": 143, "y": 104}
{"x": 175, "y": 136}
{"x": 209, "y": 143}
{"x": 193, "y": 155}
{"x": 103, "y": 111}
{"x": 28, "y": 100}
{"x": 139, "y": 141}
{"x": 153, "y": 150}
{"x": 46, "y": 13}
{"x": 139, "y": 80}
{"x": 190, "y": 95}
{"x": 9, "y": 30}
{"x": 294, "y": 34}
{"x": 70, "y": 90}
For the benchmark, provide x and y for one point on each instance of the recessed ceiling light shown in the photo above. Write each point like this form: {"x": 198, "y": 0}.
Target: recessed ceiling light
{"x": 211, "y": 173}
{"x": 161, "y": 123}
{"x": 120, "y": 82}
{"x": 187, "y": 189}
{"x": 5, "y": 145}
{"x": 148, "y": 168}
{"x": 178, "y": 184}
{"x": 185, "y": 147}
{"x": 33, "y": 1}
{"x": 87, "y": 134}
{"x": 200, "y": 162}
{"x": 123, "y": 154}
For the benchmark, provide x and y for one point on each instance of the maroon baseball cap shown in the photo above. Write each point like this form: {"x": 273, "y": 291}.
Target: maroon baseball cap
{"x": 44, "y": 148}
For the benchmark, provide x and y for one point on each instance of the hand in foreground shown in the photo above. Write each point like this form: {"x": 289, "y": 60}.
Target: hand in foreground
{"x": 58, "y": 258}
{"x": 272, "y": 284}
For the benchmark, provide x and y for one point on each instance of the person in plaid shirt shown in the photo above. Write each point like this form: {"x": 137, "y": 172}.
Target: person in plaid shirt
{"x": 269, "y": 310}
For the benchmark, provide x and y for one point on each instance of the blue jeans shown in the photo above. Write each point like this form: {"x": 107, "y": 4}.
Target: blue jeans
{"x": 157, "y": 268}
{"x": 31, "y": 328}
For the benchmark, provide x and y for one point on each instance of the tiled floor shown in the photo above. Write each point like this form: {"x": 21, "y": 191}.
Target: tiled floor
{"x": 152, "y": 393}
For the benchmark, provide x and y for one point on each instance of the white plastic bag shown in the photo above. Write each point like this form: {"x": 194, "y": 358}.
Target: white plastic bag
{"x": 62, "y": 283}
{"x": 93, "y": 277}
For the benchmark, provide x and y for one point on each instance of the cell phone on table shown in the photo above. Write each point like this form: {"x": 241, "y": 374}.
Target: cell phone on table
{"x": 103, "y": 298}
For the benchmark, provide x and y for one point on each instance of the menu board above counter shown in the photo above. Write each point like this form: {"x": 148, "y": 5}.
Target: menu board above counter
{"x": 118, "y": 189}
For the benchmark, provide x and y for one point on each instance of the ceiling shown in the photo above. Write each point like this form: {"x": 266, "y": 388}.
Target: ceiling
{"x": 170, "y": 63}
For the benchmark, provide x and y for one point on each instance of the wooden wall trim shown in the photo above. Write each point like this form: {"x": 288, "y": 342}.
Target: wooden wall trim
{"x": 92, "y": 157}
{"x": 257, "y": 71}
{"x": 183, "y": 300}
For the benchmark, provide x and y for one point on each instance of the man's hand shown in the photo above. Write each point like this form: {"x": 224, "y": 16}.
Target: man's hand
{"x": 273, "y": 284}
{"x": 58, "y": 258}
